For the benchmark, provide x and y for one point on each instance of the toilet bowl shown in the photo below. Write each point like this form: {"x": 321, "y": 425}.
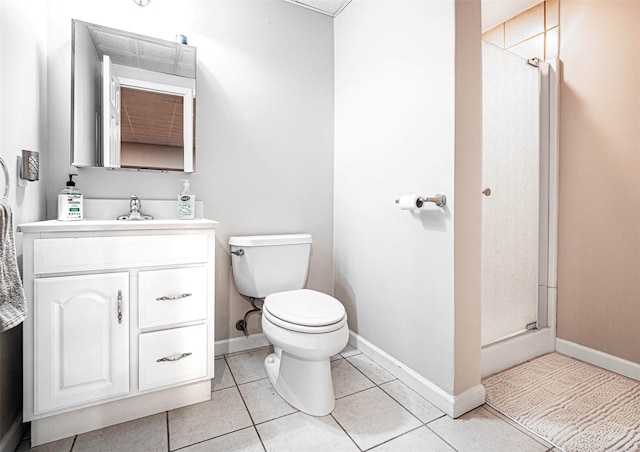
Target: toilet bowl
{"x": 306, "y": 328}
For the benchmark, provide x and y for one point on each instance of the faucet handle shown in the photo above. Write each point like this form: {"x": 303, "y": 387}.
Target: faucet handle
{"x": 134, "y": 203}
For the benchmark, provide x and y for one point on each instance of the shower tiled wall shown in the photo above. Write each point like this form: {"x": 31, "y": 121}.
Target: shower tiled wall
{"x": 532, "y": 33}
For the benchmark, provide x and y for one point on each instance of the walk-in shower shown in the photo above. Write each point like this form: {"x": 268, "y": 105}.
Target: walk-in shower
{"x": 519, "y": 208}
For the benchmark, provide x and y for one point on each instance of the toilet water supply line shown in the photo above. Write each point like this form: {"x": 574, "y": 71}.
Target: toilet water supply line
{"x": 241, "y": 325}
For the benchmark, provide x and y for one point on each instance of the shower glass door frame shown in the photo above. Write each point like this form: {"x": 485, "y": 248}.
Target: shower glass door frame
{"x": 511, "y": 351}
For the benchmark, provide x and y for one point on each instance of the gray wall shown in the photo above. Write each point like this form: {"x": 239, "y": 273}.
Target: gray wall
{"x": 264, "y": 123}
{"x": 22, "y": 126}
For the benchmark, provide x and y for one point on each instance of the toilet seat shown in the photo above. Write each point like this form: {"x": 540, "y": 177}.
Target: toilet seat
{"x": 305, "y": 311}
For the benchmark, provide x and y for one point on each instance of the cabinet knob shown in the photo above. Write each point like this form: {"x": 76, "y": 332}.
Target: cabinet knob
{"x": 486, "y": 191}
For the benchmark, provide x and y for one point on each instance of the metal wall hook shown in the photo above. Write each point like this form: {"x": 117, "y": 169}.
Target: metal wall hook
{"x": 6, "y": 177}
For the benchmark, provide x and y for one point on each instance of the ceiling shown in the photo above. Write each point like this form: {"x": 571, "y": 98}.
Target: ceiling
{"x": 494, "y": 12}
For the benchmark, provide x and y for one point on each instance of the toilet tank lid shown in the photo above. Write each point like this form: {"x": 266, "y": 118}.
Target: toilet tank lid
{"x": 270, "y": 240}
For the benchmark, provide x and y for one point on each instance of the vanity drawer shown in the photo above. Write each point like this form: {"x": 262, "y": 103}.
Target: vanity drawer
{"x": 105, "y": 253}
{"x": 172, "y": 356}
{"x": 168, "y": 297}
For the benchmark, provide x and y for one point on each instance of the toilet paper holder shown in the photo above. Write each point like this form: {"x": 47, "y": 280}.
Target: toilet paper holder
{"x": 439, "y": 200}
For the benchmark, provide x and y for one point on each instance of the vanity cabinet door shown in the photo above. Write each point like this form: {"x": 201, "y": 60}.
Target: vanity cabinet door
{"x": 81, "y": 339}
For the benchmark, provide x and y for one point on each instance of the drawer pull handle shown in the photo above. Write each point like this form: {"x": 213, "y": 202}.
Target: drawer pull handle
{"x": 184, "y": 355}
{"x": 119, "y": 306}
{"x": 177, "y": 297}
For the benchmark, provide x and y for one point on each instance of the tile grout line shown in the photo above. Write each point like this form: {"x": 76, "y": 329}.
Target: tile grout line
{"x": 396, "y": 437}
{"x": 253, "y": 422}
{"x": 73, "y": 443}
{"x": 166, "y": 418}
{"x": 259, "y": 437}
{"x": 439, "y": 436}
{"x": 245, "y": 405}
{"x": 230, "y": 371}
{"x": 345, "y": 431}
{"x": 235, "y": 385}
{"x": 376, "y": 385}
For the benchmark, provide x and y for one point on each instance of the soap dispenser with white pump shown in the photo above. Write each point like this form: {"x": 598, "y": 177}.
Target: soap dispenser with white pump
{"x": 70, "y": 201}
{"x": 186, "y": 202}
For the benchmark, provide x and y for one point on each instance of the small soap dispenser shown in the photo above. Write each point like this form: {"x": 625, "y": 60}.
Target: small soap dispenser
{"x": 186, "y": 202}
{"x": 70, "y": 201}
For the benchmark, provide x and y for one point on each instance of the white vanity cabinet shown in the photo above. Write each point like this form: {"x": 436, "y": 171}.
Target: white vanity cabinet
{"x": 120, "y": 321}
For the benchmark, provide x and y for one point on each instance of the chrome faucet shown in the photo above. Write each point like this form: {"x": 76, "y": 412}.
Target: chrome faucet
{"x": 134, "y": 210}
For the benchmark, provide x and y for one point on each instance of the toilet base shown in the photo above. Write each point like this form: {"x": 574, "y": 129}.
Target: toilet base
{"x": 306, "y": 385}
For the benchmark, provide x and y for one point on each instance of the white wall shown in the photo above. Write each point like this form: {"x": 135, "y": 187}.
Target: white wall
{"x": 22, "y": 126}
{"x": 264, "y": 123}
{"x": 401, "y": 112}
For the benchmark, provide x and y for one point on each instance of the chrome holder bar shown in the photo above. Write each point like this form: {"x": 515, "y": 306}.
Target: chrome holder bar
{"x": 439, "y": 200}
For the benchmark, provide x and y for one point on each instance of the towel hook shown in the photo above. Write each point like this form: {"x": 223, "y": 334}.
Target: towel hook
{"x": 6, "y": 177}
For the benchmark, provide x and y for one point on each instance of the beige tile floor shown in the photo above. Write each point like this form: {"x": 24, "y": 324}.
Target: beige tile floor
{"x": 374, "y": 411}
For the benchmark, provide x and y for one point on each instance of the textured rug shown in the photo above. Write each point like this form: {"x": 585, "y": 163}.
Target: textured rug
{"x": 571, "y": 404}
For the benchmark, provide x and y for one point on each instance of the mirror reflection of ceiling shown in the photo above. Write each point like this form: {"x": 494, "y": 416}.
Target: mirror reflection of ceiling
{"x": 150, "y": 117}
{"x": 329, "y": 7}
{"x": 144, "y": 52}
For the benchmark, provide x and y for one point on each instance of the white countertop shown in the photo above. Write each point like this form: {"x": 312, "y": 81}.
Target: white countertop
{"x": 114, "y": 225}
{"x": 101, "y": 214}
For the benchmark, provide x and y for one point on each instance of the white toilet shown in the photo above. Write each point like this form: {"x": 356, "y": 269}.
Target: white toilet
{"x": 305, "y": 327}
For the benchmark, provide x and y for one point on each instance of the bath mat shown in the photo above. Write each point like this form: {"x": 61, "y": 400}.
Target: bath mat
{"x": 573, "y": 405}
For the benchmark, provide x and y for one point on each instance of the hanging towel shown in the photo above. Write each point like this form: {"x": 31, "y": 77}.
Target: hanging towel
{"x": 13, "y": 308}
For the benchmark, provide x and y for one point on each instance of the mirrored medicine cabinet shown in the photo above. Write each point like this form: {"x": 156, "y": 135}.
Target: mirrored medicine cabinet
{"x": 133, "y": 100}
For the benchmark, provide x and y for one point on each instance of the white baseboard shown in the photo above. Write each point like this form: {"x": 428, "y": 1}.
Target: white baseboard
{"x": 517, "y": 350}
{"x": 452, "y": 405}
{"x": 240, "y": 344}
{"x": 58, "y": 426}
{"x": 12, "y": 438}
{"x": 597, "y": 358}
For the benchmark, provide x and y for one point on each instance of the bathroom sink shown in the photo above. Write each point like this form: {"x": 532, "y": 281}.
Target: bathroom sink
{"x": 132, "y": 217}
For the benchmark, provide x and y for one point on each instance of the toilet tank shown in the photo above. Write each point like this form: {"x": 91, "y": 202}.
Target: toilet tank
{"x": 270, "y": 263}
